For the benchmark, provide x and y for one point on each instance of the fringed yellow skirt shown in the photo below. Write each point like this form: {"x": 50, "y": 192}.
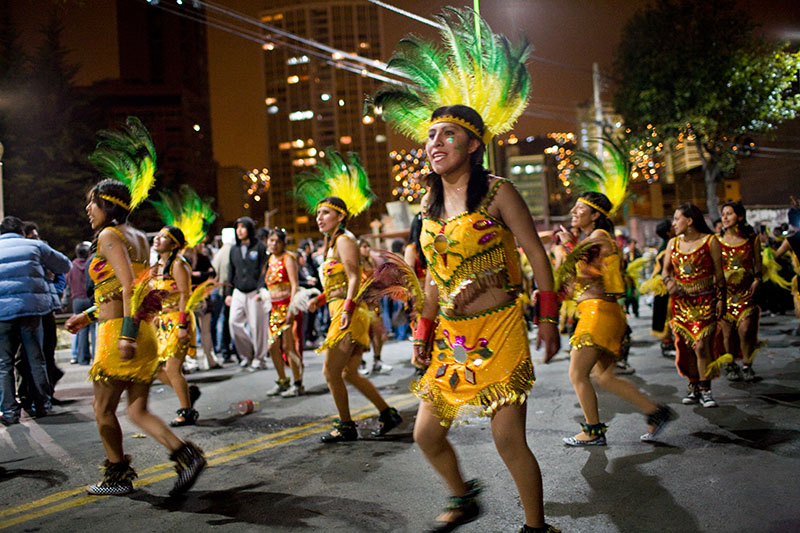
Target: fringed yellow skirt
{"x": 479, "y": 363}
{"x": 601, "y": 325}
{"x": 167, "y": 336}
{"x": 108, "y": 363}
{"x": 796, "y": 295}
{"x": 358, "y": 329}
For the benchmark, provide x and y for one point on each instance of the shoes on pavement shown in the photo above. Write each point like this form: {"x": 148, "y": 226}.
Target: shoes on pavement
{"x": 547, "y": 528}
{"x": 186, "y": 417}
{"x": 466, "y": 509}
{"x": 73, "y": 361}
{"x": 572, "y": 441}
{"x": 244, "y": 363}
{"x": 362, "y": 368}
{"x": 623, "y": 368}
{"x": 342, "y": 432}
{"x": 189, "y": 463}
{"x": 748, "y": 374}
{"x": 117, "y": 479}
{"x": 293, "y": 391}
{"x": 706, "y": 399}
{"x": 733, "y": 372}
{"x": 693, "y": 396}
{"x": 658, "y": 419}
{"x": 281, "y": 386}
{"x": 389, "y": 419}
{"x": 379, "y": 367}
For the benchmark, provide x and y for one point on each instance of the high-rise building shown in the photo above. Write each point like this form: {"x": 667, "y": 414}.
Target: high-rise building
{"x": 313, "y": 105}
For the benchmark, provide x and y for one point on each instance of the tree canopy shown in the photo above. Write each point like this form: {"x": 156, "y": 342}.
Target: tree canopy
{"x": 700, "y": 71}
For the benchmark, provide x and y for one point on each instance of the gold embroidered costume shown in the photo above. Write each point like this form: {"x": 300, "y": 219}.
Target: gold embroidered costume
{"x": 277, "y": 279}
{"x": 108, "y": 362}
{"x": 335, "y": 279}
{"x": 479, "y": 361}
{"x": 738, "y": 263}
{"x": 166, "y": 322}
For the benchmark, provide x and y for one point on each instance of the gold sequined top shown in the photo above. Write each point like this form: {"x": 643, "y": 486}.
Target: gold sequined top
{"x": 600, "y": 275}
{"x": 470, "y": 253}
{"x": 106, "y": 285}
{"x": 333, "y": 274}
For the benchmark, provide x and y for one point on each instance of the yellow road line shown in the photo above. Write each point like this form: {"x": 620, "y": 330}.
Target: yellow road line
{"x": 159, "y": 474}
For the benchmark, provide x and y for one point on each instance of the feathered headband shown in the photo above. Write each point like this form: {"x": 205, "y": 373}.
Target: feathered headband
{"x": 608, "y": 176}
{"x": 346, "y": 180}
{"x": 127, "y": 154}
{"x": 477, "y": 68}
{"x": 187, "y": 211}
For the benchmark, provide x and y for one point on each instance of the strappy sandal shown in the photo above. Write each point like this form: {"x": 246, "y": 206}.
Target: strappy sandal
{"x": 466, "y": 508}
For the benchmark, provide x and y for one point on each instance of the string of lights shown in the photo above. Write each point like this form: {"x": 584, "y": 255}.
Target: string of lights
{"x": 408, "y": 170}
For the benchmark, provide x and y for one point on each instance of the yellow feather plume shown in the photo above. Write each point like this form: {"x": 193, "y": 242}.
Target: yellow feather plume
{"x": 200, "y": 293}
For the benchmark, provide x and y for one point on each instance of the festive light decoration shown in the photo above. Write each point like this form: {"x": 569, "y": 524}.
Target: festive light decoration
{"x": 258, "y": 182}
{"x": 408, "y": 171}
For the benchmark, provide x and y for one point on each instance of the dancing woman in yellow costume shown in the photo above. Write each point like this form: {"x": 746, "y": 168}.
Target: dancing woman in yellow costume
{"x": 126, "y": 359}
{"x": 175, "y": 327}
{"x": 460, "y": 95}
{"x": 792, "y": 245}
{"x": 694, "y": 278}
{"x": 741, "y": 264}
{"x": 348, "y": 334}
{"x": 592, "y": 274}
{"x": 281, "y": 280}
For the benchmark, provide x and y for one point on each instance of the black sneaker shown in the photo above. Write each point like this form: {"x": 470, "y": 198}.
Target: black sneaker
{"x": 693, "y": 396}
{"x": 117, "y": 479}
{"x": 342, "y": 432}
{"x": 189, "y": 463}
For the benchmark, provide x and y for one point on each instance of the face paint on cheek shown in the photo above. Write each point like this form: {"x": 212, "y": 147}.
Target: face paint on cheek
{"x": 451, "y": 140}
{"x": 460, "y": 148}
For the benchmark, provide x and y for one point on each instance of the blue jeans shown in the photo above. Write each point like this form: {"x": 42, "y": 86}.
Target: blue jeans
{"x": 80, "y": 348}
{"x": 26, "y": 332}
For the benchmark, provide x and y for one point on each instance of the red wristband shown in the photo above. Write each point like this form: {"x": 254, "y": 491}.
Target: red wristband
{"x": 322, "y": 299}
{"x": 548, "y": 305}
{"x": 183, "y": 318}
{"x": 423, "y": 332}
{"x": 349, "y": 306}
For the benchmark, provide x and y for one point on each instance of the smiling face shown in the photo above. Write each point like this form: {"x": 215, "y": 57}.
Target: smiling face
{"x": 448, "y": 147}
{"x": 328, "y": 219}
{"x": 275, "y": 245}
{"x": 680, "y": 223}
{"x": 729, "y": 217}
{"x": 97, "y": 217}
{"x": 162, "y": 243}
{"x": 583, "y": 217}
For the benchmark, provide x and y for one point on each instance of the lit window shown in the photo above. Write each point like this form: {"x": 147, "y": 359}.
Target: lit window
{"x": 341, "y": 103}
{"x": 292, "y": 79}
{"x": 272, "y": 109}
{"x": 298, "y": 143}
{"x": 284, "y": 145}
{"x": 345, "y": 139}
{"x": 380, "y": 138}
{"x": 270, "y": 100}
{"x": 196, "y": 127}
{"x": 367, "y": 119}
{"x": 301, "y": 115}
{"x": 268, "y": 46}
{"x": 297, "y": 60}
{"x": 324, "y": 97}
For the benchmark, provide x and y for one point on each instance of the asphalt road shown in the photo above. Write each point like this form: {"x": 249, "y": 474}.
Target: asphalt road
{"x": 733, "y": 468}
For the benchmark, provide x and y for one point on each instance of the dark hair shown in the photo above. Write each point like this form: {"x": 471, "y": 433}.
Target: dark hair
{"x": 29, "y": 227}
{"x": 698, "y": 220}
{"x": 11, "y": 224}
{"x": 262, "y": 234}
{"x": 115, "y": 213}
{"x": 601, "y": 201}
{"x": 794, "y": 216}
{"x": 250, "y": 225}
{"x": 82, "y": 250}
{"x": 280, "y": 233}
{"x": 177, "y": 235}
{"x": 338, "y": 202}
{"x": 662, "y": 229}
{"x": 716, "y": 221}
{"x": 397, "y": 246}
{"x": 745, "y": 229}
{"x": 413, "y": 238}
{"x": 478, "y": 184}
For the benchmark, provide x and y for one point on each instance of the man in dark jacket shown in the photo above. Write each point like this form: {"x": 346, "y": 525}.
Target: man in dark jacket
{"x": 25, "y": 296}
{"x": 248, "y": 263}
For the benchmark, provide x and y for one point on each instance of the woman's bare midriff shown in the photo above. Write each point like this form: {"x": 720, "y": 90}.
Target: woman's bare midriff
{"x": 488, "y": 299}
{"x": 110, "y": 309}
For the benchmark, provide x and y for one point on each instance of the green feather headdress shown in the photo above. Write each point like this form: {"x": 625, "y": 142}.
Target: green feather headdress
{"x": 333, "y": 176}
{"x": 187, "y": 211}
{"x": 127, "y": 154}
{"x": 608, "y": 176}
{"x": 479, "y": 69}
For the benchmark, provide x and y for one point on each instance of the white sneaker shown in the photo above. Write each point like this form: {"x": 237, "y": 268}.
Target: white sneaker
{"x": 244, "y": 363}
{"x": 362, "y": 369}
{"x": 381, "y": 368}
{"x": 293, "y": 391}
{"x": 706, "y": 399}
{"x": 258, "y": 364}
{"x": 280, "y": 387}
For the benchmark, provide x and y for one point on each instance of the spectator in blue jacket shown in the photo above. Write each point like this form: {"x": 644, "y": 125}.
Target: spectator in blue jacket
{"x": 25, "y": 296}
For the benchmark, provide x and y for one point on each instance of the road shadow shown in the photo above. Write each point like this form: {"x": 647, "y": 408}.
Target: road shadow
{"x": 632, "y": 500}
{"x": 51, "y": 478}
{"x": 246, "y": 504}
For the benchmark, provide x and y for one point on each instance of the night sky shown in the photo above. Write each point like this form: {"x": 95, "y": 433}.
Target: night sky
{"x": 574, "y": 33}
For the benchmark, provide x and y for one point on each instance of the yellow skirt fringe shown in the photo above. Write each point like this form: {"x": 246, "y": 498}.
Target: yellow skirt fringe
{"x": 108, "y": 363}
{"x": 601, "y": 325}
{"x": 167, "y": 336}
{"x": 479, "y": 364}
{"x": 358, "y": 329}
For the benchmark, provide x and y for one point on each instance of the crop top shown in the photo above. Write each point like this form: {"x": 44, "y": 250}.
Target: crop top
{"x": 166, "y": 282}
{"x": 470, "y": 253}
{"x": 694, "y": 270}
{"x": 333, "y": 274}
{"x": 106, "y": 285}
{"x": 603, "y": 270}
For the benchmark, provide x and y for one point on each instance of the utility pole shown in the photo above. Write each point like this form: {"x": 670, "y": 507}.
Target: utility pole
{"x": 2, "y": 206}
